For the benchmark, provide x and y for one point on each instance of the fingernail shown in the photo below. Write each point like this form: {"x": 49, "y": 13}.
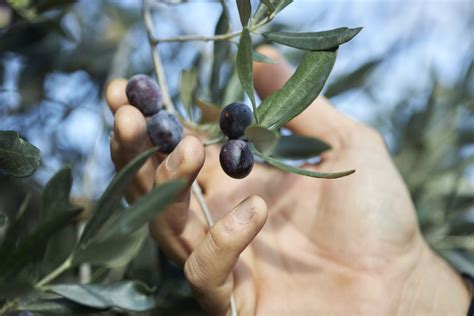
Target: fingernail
{"x": 244, "y": 213}
{"x": 174, "y": 159}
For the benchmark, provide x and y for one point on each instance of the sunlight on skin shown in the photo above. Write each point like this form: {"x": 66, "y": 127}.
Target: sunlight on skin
{"x": 328, "y": 247}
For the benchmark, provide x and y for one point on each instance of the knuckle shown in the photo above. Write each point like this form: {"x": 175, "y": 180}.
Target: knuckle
{"x": 195, "y": 274}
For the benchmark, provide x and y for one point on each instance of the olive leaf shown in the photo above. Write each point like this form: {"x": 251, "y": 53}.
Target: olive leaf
{"x": 209, "y": 112}
{"x": 353, "y": 80}
{"x": 3, "y": 220}
{"x": 32, "y": 246}
{"x": 233, "y": 91}
{"x": 187, "y": 88}
{"x": 262, "y": 58}
{"x": 55, "y": 201}
{"x": 59, "y": 306}
{"x": 113, "y": 252}
{"x": 282, "y": 166}
{"x": 119, "y": 238}
{"x": 245, "y": 9}
{"x": 128, "y": 295}
{"x": 17, "y": 157}
{"x": 220, "y": 51}
{"x": 264, "y": 10}
{"x": 244, "y": 67}
{"x": 263, "y": 139}
{"x": 109, "y": 202}
{"x": 299, "y": 91}
{"x": 297, "y": 147}
{"x": 314, "y": 40}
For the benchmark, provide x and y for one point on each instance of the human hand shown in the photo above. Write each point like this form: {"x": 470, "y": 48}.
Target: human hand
{"x": 345, "y": 246}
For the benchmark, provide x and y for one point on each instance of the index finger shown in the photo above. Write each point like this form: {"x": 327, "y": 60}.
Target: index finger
{"x": 115, "y": 94}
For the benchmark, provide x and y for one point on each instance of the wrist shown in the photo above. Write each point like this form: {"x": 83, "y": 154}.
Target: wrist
{"x": 433, "y": 287}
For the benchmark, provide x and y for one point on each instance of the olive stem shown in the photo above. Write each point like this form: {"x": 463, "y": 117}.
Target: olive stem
{"x": 155, "y": 56}
{"x": 213, "y": 141}
{"x": 160, "y": 74}
{"x": 54, "y": 274}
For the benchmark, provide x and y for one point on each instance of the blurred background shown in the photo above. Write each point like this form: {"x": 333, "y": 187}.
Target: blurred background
{"x": 409, "y": 73}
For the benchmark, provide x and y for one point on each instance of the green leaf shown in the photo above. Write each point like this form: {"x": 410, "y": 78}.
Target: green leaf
{"x": 3, "y": 220}
{"x": 17, "y": 157}
{"x": 282, "y": 166}
{"x": 314, "y": 40}
{"x": 262, "y": 138}
{"x": 299, "y": 91}
{"x": 262, "y": 58}
{"x": 353, "y": 80}
{"x": 188, "y": 86}
{"x": 233, "y": 91}
{"x": 32, "y": 246}
{"x": 264, "y": 11}
{"x": 127, "y": 295}
{"x": 245, "y": 9}
{"x": 109, "y": 202}
{"x": 269, "y": 5}
{"x": 297, "y": 147}
{"x": 56, "y": 193}
{"x": 59, "y": 306}
{"x": 244, "y": 67}
{"x": 113, "y": 252}
{"x": 221, "y": 50}
{"x": 133, "y": 218}
{"x": 209, "y": 111}
{"x": 121, "y": 237}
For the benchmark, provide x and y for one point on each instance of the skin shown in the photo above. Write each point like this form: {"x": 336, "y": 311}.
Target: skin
{"x": 292, "y": 245}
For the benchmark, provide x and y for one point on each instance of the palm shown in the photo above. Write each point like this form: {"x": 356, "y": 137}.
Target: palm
{"x": 320, "y": 234}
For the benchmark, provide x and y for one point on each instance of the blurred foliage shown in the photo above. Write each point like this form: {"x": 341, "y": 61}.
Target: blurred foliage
{"x": 48, "y": 46}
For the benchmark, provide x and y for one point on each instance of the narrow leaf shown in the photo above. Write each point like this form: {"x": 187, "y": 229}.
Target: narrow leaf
{"x": 245, "y": 9}
{"x": 220, "y": 52}
{"x": 297, "y": 147}
{"x": 269, "y": 4}
{"x": 314, "y": 40}
{"x": 353, "y": 80}
{"x": 56, "y": 193}
{"x": 244, "y": 67}
{"x": 282, "y": 166}
{"x": 188, "y": 86}
{"x": 133, "y": 218}
{"x": 127, "y": 295}
{"x": 262, "y": 58}
{"x": 299, "y": 91}
{"x": 109, "y": 202}
{"x": 233, "y": 91}
{"x": 3, "y": 220}
{"x": 264, "y": 11}
{"x": 59, "y": 306}
{"x": 209, "y": 112}
{"x": 32, "y": 246}
{"x": 113, "y": 252}
{"x": 262, "y": 138}
{"x": 17, "y": 157}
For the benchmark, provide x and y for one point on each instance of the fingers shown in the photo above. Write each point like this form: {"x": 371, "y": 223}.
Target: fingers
{"x": 209, "y": 267}
{"x": 115, "y": 94}
{"x": 330, "y": 122}
{"x": 177, "y": 230}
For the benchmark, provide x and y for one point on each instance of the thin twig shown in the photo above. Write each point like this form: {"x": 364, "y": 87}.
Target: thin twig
{"x": 196, "y": 189}
{"x": 189, "y": 38}
{"x": 158, "y": 65}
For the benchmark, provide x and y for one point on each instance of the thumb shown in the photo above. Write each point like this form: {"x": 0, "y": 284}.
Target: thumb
{"x": 209, "y": 267}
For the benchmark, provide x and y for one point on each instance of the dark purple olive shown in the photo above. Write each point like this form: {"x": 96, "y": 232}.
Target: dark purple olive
{"x": 236, "y": 158}
{"x": 234, "y": 119}
{"x": 165, "y": 131}
{"x": 143, "y": 93}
